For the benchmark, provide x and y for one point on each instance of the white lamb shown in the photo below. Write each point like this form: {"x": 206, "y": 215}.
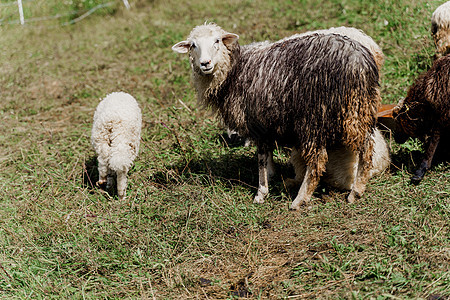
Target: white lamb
{"x": 342, "y": 164}
{"x": 440, "y": 29}
{"x": 116, "y": 134}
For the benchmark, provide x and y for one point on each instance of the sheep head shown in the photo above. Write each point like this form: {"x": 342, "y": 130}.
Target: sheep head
{"x": 412, "y": 118}
{"x": 440, "y": 29}
{"x": 207, "y": 46}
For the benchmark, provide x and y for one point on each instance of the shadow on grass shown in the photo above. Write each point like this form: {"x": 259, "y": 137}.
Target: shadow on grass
{"x": 410, "y": 160}
{"x": 232, "y": 169}
{"x": 90, "y": 173}
{"x": 90, "y": 178}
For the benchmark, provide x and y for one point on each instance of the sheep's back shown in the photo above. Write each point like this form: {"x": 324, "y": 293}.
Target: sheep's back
{"x": 316, "y": 89}
{"x": 117, "y": 120}
{"x": 437, "y": 81}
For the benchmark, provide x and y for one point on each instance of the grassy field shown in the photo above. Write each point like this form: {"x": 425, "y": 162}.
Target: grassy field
{"x": 188, "y": 228}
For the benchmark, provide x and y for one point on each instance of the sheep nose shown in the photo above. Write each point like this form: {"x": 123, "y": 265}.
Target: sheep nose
{"x": 205, "y": 63}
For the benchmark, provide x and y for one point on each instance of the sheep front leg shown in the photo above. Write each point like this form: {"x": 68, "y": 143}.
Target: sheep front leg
{"x": 363, "y": 171}
{"x": 314, "y": 169}
{"x": 426, "y": 162}
{"x": 265, "y": 167}
{"x": 121, "y": 184}
{"x": 110, "y": 180}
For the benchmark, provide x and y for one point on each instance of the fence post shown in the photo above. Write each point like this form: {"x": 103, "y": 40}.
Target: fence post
{"x": 22, "y": 19}
{"x": 127, "y": 5}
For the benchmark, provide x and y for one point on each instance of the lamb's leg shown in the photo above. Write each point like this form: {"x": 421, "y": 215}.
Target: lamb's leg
{"x": 426, "y": 162}
{"x": 263, "y": 172}
{"x": 314, "y": 169}
{"x": 299, "y": 165}
{"x": 121, "y": 184}
{"x": 102, "y": 171}
{"x": 363, "y": 171}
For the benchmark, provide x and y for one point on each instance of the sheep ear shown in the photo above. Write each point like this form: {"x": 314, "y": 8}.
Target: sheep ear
{"x": 396, "y": 110}
{"x": 181, "y": 47}
{"x": 229, "y": 39}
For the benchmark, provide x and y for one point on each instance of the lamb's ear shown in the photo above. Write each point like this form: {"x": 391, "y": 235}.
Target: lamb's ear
{"x": 181, "y": 47}
{"x": 229, "y": 39}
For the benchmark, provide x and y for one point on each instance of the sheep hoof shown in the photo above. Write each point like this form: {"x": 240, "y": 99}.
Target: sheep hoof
{"x": 295, "y": 207}
{"x": 261, "y": 195}
{"x": 353, "y": 196}
{"x": 299, "y": 203}
{"x": 259, "y": 199}
{"x": 416, "y": 179}
{"x": 300, "y": 206}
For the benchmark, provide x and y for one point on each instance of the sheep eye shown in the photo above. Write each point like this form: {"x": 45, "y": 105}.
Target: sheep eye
{"x": 217, "y": 41}
{"x": 193, "y": 46}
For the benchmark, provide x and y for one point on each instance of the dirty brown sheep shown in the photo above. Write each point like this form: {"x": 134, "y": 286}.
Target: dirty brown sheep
{"x": 425, "y": 112}
{"x": 312, "y": 92}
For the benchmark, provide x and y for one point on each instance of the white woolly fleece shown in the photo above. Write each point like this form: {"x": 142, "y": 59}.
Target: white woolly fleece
{"x": 116, "y": 134}
{"x": 342, "y": 164}
{"x": 441, "y": 16}
{"x": 116, "y": 130}
{"x": 440, "y": 29}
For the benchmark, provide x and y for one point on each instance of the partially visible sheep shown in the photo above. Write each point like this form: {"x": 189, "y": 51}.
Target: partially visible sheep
{"x": 116, "y": 134}
{"x": 425, "y": 112}
{"x": 312, "y": 92}
{"x": 440, "y": 29}
{"x": 342, "y": 164}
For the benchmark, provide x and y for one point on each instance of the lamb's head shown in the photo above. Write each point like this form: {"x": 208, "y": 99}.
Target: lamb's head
{"x": 208, "y": 46}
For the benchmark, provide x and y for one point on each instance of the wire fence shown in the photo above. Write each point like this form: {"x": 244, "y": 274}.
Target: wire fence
{"x": 25, "y": 11}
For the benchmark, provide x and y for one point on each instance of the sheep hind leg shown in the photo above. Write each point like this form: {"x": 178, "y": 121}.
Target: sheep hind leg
{"x": 102, "y": 171}
{"x": 310, "y": 180}
{"x": 426, "y": 163}
{"x": 264, "y": 168}
{"x": 121, "y": 184}
{"x": 363, "y": 171}
{"x": 299, "y": 165}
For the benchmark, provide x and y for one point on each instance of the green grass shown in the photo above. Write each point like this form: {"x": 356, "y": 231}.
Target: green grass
{"x": 54, "y": 12}
{"x": 188, "y": 228}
